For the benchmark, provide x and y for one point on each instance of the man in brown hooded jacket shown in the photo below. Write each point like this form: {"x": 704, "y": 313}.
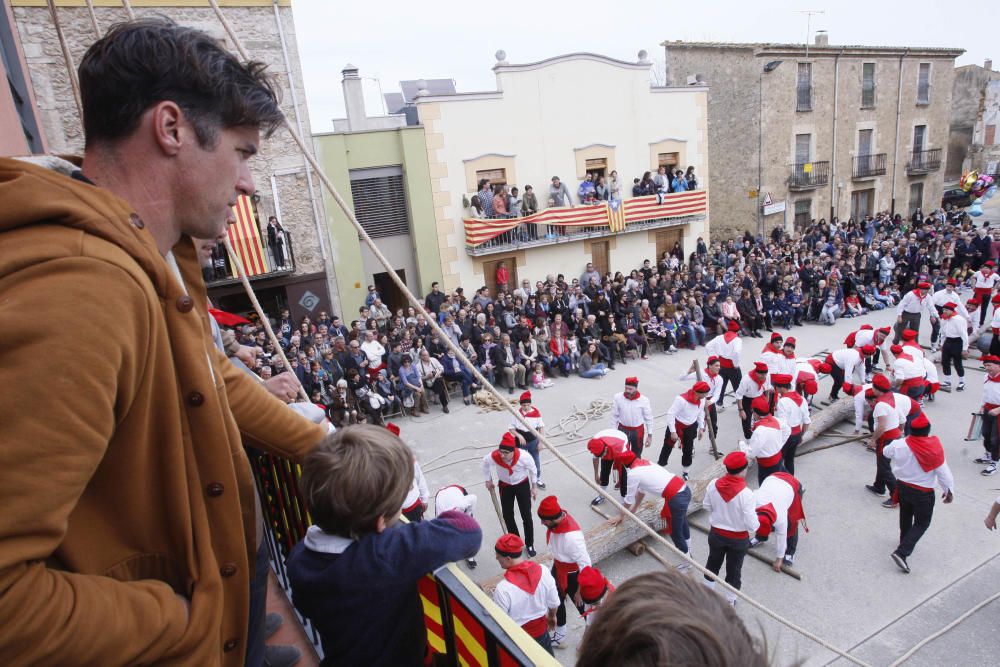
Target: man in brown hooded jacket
{"x": 127, "y": 530}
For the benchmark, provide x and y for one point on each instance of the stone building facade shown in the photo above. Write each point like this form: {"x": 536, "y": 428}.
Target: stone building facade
{"x": 284, "y": 186}
{"x": 973, "y": 143}
{"x": 20, "y": 124}
{"x": 845, "y": 131}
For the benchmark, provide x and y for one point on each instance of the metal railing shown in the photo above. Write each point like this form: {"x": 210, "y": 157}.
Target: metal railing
{"x": 278, "y": 257}
{"x": 922, "y": 162}
{"x": 809, "y": 175}
{"x": 866, "y": 166}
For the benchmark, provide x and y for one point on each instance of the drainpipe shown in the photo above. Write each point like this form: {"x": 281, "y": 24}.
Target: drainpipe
{"x": 895, "y": 150}
{"x": 320, "y": 226}
{"x": 833, "y": 156}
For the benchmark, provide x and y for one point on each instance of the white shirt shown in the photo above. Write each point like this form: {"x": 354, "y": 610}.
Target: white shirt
{"x": 852, "y": 361}
{"x": 783, "y": 366}
{"x": 650, "y": 480}
{"x": 911, "y": 303}
{"x": 452, "y": 498}
{"x": 780, "y": 494}
{"x": 956, "y": 326}
{"x": 631, "y": 413}
{"x": 864, "y": 337}
{"x": 995, "y": 320}
{"x": 906, "y": 468}
{"x": 738, "y": 514}
{"x": 906, "y": 369}
{"x": 774, "y": 362}
{"x": 750, "y": 389}
{"x": 535, "y": 422}
{"x": 789, "y": 412}
{"x": 524, "y": 607}
{"x": 803, "y": 371}
{"x": 769, "y": 435}
{"x": 522, "y": 470}
{"x": 985, "y": 281}
{"x": 374, "y": 351}
{"x": 714, "y": 381}
{"x": 860, "y": 406}
{"x": 418, "y": 489}
{"x": 991, "y": 392}
{"x": 685, "y": 412}
{"x": 943, "y": 296}
{"x": 930, "y": 371}
{"x": 569, "y": 548}
{"x": 718, "y": 347}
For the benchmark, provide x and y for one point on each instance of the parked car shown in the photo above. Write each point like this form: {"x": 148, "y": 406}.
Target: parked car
{"x": 956, "y": 197}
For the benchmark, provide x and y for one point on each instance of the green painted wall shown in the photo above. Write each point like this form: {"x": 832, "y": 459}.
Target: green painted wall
{"x": 340, "y": 153}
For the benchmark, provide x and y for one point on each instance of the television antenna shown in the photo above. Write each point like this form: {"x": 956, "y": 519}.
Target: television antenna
{"x": 809, "y": 14}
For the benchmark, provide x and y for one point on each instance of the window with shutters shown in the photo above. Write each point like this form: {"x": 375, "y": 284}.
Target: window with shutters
{"x": 495, "y": 176}
{"x": 924, "y": 84}
{"x": 380, "y": 201}
{"x": 803, "y": 213}
{"x": 668, "y": 160}
{"x": 868, "y": 86}
{"x": 803, "y": 88}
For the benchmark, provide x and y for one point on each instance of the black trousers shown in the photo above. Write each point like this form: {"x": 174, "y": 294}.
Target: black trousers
{"x": 837, "y": 375}
{"x": 991, "y": 436}
{"x": 995, "y": 345}
{"x": 910, "y": 321}
{"x": 884, "y": 479}
{"x": 606, "y": 467}
{"x": 522, "y": 494}
{"x": 791, "y": 544}
{"x": 572, "y": 585}
{"x": 764, "y": 471}
{"x": 634, "y": 441}
{"x": 686, "y": 437}
{"x": 730, "y": 550}
{"x": 713, "y": 416}
{"x": 951, "y": 353}
{"x": 748, "y": 420}
{"x": 415, "y": 515}
{"x": 731, "y": 376}
{"x": 788, "y": 452}
{"x": 915, "y": 510}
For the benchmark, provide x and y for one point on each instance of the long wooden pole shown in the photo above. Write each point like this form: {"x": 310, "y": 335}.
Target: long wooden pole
{"x": 709, "y": 426}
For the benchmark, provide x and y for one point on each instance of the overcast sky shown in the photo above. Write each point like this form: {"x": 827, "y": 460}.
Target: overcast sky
{"x": 393, "y": 40}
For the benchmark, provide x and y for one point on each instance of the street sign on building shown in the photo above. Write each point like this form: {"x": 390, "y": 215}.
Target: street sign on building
{"x": 770, "y": 206}
{"x": 767, "y": 199}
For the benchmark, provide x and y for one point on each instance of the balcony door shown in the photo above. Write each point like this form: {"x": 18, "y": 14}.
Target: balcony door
{"x": 865, "y": 142}
{"x": 803, "y": 143}
{"x": 862, "y": 203}
{"x": 919, "y": 136}
{"x": 490, "y": 273}
{"x": 600, "y": 256}
{"x": 665, "y": 241}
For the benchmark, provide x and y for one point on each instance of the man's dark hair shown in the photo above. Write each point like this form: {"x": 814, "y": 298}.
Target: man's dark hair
{"x": 144, "y": 62}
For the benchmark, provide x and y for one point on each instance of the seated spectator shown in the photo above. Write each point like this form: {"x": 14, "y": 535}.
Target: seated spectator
{"x": 388, "y": 390}
{"x": 343, "y": 409}
{"x": 592, "y": 362}
{"x": 369, "y": 403}
{"x": 455, "y": 371}
{"x": 853, "y": 307}
{"x": 412, "y": 388}
{"x": 353, "y": 482}
{"x": 432, "y": 377}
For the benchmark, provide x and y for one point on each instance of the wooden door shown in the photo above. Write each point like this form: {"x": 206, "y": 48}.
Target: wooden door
{"x": 490, "y": 273}
{"x": 665, "y": 241}
{"x": 600, "y": 256}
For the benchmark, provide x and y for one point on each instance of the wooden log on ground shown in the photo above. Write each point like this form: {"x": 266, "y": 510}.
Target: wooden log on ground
{"x": 604, "y": 540}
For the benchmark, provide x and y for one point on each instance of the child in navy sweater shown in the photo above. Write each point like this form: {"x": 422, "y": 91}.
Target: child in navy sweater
{"x": 355, "y": 574}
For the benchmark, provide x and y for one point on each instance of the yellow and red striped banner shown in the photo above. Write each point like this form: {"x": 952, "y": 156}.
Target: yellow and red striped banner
{"x": 245, "y": 237}
{"x": 480, "y": 230}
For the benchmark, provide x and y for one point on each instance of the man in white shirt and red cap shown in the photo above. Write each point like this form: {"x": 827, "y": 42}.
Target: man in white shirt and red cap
{"x": 955, "y": 348}
{"x": 527, "y": 592}
{"x": 455, "y": 497}
{"x": 714, "y": 380}
{"x": 525, "y": 439}
{"x": 890, "y": 412}
{"x": 779, "y": 510}
{"x": 753, "y": 385}
{"x": 516, "y": 475}
{"x": 595, "y": 590}
{"x": 772, "y": 352}
{"x": 569, "y": 556}
{"x": 733, "y": 517}
{"x": 807, "y": 376}
{"x": 995, "y": 326}
{"x": 941, "y": 297}
{"x": 727, "y": 348}
{"x": 767, "y": 439}
{"x": 914, "y": 304}
{"x": 847, "y": 364}
{"x": 990, "y": 412}
{"x": 632, "y": 415}
{"x": 918, "y": 463}
{"x": 862, "y": 407}
{"x": 786, "y": 362}
{"x": 605, "y": 445}
{"x": 908, "y": 370}
{"x": 985, "y": 281}
{"x": 685, "y": 421}
{"x": 910, "y": 343}
{"x": 646, "y": 478}
{"x": 793, "y": 410}
{"x": 868, "y": 335}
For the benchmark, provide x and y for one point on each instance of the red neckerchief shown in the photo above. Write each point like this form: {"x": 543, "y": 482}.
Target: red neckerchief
{"x": 638, "y": 463}
{"x": 769, "y": 510}
{"x": 709, "y": 373}
{"x": 729, "y": 486}
{"x": 794, "y": 395}
{"x": 633, "y": 396}
{"x": 691, "y": 397}
{"x": 567, "y": 525}
{"x": 513, "y": 462}
{"x": 760, "y": 384}
{"x": 947, "y": 316}
{"x": 904, "y": 356}
{"x": 927, "y": 449}
{"x": 795, "y": 511}
{"x": 789, "y": 356}
{"x": 524, "y": 575}
{"x": 729, "y": 336}
{"x": 920, "y": 296}
{"x": 888, "y": 398}
{"x": 769, "y": 422}
{"x": 532, "y": 412}
{"x": 770, "y": 348}
{"x": 991, "y": 378}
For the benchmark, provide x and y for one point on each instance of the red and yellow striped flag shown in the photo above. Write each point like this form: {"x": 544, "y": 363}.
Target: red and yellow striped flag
{"x": 245, "y": 237}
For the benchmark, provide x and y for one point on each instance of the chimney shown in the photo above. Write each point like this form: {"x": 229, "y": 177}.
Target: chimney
{"x": 988, "y": 65}
{"x": 822, "y": 38}
{"x": 354, "y": 99}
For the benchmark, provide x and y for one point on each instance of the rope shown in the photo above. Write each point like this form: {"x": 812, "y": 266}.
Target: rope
{"x": 93, "y": 18}
{"x": 67, "y": 56}
{"x": 919, "y": 645}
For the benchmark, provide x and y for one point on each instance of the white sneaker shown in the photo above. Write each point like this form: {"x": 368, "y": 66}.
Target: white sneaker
{"x": 673, "y": 348}
{"x": 991, "y": 469}
{"x": 985, "y": 459}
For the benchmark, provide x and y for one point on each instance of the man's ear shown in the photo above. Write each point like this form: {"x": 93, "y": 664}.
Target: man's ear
{"x": 166, "y": 123}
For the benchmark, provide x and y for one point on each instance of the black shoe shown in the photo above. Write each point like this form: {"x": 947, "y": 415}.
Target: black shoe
{"x": 597, "y": 501}
{"x": 471, "y": 562}
{"x": 272, "y": 622}
{"x": 900, "y": 560}
{"x": 871, "y": 487}
{"x": 684, "y": 475}
{"x": 445, "y": 409}
{"x": 510, "y": 390}
{"x": 281, "y": 656}
{"x": 531, "y": 552}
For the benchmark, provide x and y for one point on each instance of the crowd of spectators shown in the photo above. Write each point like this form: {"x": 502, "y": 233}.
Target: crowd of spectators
{"x": 381, "y": 361}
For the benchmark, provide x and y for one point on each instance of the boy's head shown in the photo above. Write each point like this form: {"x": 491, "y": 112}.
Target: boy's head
{"x": 356, "y": 479}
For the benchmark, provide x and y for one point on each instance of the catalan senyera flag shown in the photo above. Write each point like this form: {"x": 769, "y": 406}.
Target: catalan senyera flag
{"x": 245, "y": 237}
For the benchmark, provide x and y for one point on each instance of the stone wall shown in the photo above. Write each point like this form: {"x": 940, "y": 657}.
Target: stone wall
{"x": 257, "y": 29}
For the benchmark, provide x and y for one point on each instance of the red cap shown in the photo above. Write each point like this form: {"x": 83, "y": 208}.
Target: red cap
{"x": 881, "y": 382}
{"x": 824, "y": 368}
{"x": 952, "y": 281}
{"x": 759, "y": 367}
{"x": 789, "y": 342}
{"x": 951, "y": 305}
{"x": 592, "y": 583}
{"x": 870, "y": 394}
{"x": 989, "y": 263}
{"x": 781, "y": 378}
{"x": 392, "y": 428}
{"x": 701, "y": 388}
{"x": 923, "y": 285}
{"x": 775, "y": 336}
{"x": 909, "y": 334}
{"x": 884, "y": 330}
{"x": 850, "y": 389}
{"x": 733, "y": 326}
{"x": 920, "y": 421}
{"x": 868, "y": 350}
{"x": 760, "y": 405}
{"x": 996, "y": 298}
{"x": 810, "y": 387}
{"x": 866, "y": 327}
{"x": 510, "y": 545}
{"x": 973, "y": 302}
{"x": 766, "y": 523}
{"x": 990, "y": 359}
{"x": 526, "y": 397}
{"x": 508, "y": 441}
{"x": 712, "y": 360}
{"x": 896, "y": 349}
{"x": 632, "y": 380}
{"x": 735, "y": 461}
{"x": 596, "y": 446}
{"x": 549, "y": 508}
{"x": 625, "y": 457}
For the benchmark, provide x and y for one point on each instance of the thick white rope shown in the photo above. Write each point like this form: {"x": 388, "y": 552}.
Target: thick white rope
{"x": 919, "y": 645}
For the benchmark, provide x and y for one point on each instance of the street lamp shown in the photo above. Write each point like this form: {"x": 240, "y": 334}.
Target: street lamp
{"x": 769, "y": 67}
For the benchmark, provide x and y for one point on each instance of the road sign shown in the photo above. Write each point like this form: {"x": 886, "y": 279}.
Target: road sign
{"x": 767, "y": 199}
{"x": 774, "y": 207}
